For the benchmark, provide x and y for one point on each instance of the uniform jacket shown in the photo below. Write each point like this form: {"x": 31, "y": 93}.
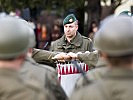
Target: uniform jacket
{"x": 44, "y": 75}
{"x": 78, "y": 44}
{"x": 12, "y": 87}
{"x": 115, "y": 85}
{"x": 93, "y": 74}
{"x": 90, "y": 58}
{"x": 43, "y": 56}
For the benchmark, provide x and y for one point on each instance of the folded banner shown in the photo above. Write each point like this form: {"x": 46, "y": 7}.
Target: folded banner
{"x": 68, "y": 74}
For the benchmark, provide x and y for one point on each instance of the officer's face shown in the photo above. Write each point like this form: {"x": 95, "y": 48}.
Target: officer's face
{"x": 70, "y": 30}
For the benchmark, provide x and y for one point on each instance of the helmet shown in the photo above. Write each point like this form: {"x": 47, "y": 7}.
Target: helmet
{"x": 14, "y": 37}
{"x": 115, "y": 37}
{"x": 32, "y": 39}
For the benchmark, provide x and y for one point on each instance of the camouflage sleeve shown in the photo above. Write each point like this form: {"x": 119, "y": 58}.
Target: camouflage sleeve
{"x": 90, "y": 58}
{"x": 43, "y": 56}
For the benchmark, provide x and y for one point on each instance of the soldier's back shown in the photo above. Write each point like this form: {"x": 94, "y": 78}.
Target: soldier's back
{"x": 115, "y": 85}
{"x": 12, "y": 87}
{"x": 45, "y": 76}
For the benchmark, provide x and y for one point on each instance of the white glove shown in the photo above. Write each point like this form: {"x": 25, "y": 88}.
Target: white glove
{"x": 61, "y": 57}
{"x": 72, "y": 55}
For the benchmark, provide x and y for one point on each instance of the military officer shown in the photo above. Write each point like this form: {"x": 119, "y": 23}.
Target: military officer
{"x": 117, "y": 49}
{"x": 72, "y": 40}
{"x": 14, "y": 43}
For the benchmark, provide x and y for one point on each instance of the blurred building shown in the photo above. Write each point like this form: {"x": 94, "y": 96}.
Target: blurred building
{"x": 124, "y": 7}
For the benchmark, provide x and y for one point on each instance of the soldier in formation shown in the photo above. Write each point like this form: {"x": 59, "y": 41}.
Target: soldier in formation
{"x": 14, "y": 43}
{"x": 117, "y": 49}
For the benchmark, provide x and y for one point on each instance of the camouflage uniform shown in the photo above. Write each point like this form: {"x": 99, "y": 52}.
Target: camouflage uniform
{"x": 43, "y": 56}
{"x": 14, "y": 88}
{"x": 44, "y": 75}
{"x": 93, "y": 74}
{"x": 78, "y": 44}
{"x": 14, "y": 44}
{"x": 90, "y": 58}
{"x": 116, "y": 82}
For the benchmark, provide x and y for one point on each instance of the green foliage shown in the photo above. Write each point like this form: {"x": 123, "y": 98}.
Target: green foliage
{"x": 10, "y": 5}
{"x": 58, "y": 5}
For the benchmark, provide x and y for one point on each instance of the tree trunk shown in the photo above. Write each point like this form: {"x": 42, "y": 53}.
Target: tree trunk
{"x": 80, "y": 17}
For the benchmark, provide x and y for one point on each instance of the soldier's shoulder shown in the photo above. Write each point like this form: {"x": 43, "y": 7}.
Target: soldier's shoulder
{"x": 56, "y": 41}
{"x": 33, "y": 65}
{"x": 86, "y": 38}
{"x": 34, "y": 86}
{"x": 47, "y": 68}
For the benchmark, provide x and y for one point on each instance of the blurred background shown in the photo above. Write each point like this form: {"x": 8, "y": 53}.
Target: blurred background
{"x": 46, "y": 16}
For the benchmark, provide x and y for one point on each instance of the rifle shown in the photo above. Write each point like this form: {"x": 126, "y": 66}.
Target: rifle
{"x": 74, "y": 62}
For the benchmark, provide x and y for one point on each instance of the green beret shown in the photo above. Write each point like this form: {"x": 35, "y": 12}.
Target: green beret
{"x": 126, "y": 13}
{"x": 69, "y": 19}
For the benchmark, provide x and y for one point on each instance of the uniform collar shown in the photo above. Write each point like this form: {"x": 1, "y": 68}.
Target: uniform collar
{"x": 77, "y": 40}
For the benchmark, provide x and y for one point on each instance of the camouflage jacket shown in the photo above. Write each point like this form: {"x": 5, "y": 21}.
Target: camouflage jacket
{"x": 115, "y": 85}
{"x": 78, "y": 44}
{"x": 93, "y": 74}
{"x": 12, "y": 87}
{"x": 45, "y": 75}
{"x": 43, "y": 57}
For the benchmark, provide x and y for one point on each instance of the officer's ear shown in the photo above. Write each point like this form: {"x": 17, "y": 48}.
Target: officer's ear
{"x": 76, "y": 23}
{"x": 77, "y": 27}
